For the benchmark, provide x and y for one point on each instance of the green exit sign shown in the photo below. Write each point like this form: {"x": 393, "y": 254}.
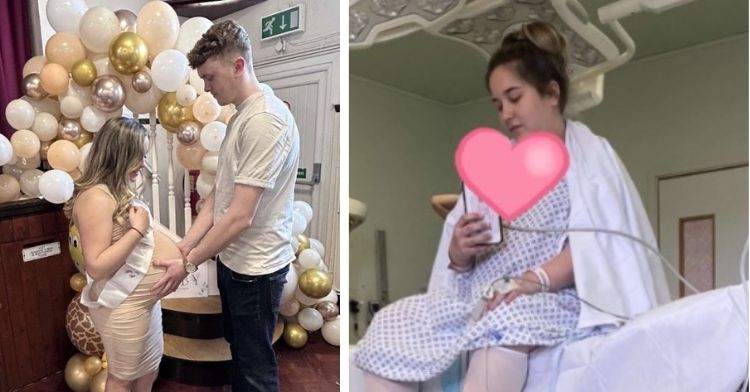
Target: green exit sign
{"x": 290, "y": 20}
{"x": 301, "y": 173}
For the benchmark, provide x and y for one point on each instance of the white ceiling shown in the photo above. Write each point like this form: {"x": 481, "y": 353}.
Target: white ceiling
{"x": 452, "y": 73}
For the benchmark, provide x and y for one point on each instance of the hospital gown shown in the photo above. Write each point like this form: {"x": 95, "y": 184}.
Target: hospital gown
{"x": 418, "y": 337}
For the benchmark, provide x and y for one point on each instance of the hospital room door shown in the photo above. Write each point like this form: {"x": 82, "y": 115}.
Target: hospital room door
{"x": 703, "y": 226}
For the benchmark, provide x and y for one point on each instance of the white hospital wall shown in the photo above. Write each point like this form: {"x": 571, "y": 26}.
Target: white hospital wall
{"x": 399, "y": 157}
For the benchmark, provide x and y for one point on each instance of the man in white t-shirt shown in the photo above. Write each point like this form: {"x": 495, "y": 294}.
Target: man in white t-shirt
{"x": 247, "y": 218}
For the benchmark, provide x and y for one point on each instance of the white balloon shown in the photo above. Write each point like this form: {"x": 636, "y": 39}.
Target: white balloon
{"x": 331, "y": 297}
{"x": 332, "y": 331}
{"x": 196, "y": 81}
{"x": 204, "y": 184}
{"x": 212, "y": 135}
{"x": 80, "y": 92}
{"x": 6, "y": 150}
{"x": 85, "y": 150}
{"x": 310, "y": 319}
{"x": 97, "y": 28}
{"x": 103, "y": 66}
{"x": 186, "y": 95}
{"x": 20, "y": 114}
{"x": 71, "y": 107}
{"x": 169, "y": 70}
{"x": 287, "y": 294}
{"x": 299, "y": 223}
{"x": 190, "y": 32}
{"x": 318, "y": 246}
{"x": 206, "y": 108}
{"x": 210, "y": 162}
{"x": 30, "y": 182}
{"x": 56, "y": 186}
{"x": 290, "y": 308}
{"x": 295, "y": 243}
{"x": 65, "y": 15}
{"x": 92, "y": 119}
{"x": 46, "y": 105}
{"x": 304, "y": 299}
{"x": 45, "y": 126}
{"x": 308, "y": 258}
{"x": 304, "y": 208}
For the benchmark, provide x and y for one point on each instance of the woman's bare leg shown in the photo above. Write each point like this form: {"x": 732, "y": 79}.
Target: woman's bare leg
{"x": 114, "y": 384}
{"x": 375, "y": 383}
{"x": 145, "y": 383}
{"x": 498, "y": 369}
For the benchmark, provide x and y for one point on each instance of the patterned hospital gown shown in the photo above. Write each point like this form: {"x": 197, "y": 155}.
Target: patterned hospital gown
{"x": 419, "y": 337}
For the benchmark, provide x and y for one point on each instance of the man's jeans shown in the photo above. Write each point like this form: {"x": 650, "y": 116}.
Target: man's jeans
{"x": 250, "y": 306}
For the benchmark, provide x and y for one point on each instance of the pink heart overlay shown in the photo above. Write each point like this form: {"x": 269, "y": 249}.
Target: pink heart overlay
{"x": 510, "y": 179}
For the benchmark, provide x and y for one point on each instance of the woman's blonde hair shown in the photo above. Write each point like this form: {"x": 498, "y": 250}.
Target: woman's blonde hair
{"x": 117, "y": 150}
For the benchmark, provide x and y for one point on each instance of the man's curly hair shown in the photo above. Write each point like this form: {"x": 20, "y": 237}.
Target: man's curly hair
{"x": 221, "y": 39}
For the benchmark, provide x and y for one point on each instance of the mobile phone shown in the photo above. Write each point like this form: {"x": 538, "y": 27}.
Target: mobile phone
{"x": 472, "y": 203}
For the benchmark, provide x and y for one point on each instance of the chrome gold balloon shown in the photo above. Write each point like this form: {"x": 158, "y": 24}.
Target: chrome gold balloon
{"x": 315, "y": 283}
{"x": 75, "y": 374}
{"x": 86, "y": 137}
{"x": 84, "y": 72}
{"x": 304, "y": 243}
{"x": 141, "y": 81}
{"x": 68, "y": 129}
{"x": 108, "y": 93}
{"x": 128, "y": 53}
{"x": 92, "y": 365}
{"x": 32, "y": 87}
{"x": 78, "y": 281}
{"x": 294, "y": 335}
{"x": 188, "y": 132}
{"x": 171, "y": 114}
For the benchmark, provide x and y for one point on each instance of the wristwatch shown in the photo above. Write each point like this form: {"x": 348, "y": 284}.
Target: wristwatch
{"x": 189, "y": 267}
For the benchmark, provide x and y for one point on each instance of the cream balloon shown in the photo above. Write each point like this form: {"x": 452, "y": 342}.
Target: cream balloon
{"x": 6, "y": 150}
{"x": 10, "y": 188}
{"x": 210, "y": 162}
{"x": 190, "y": 32}
{"x": 84, "y": 94}
{"x": 290, "y": 308}
{"x": 34, "y": 65}
{"x": 158, "y": 25}
{"x": 64, "y": 155}
{"x": 56, "y": 186}
{"x": 227, "y": 111}
{"x": 71, "y": 107}
{"x": 304, "y": 299}
{"x": 92, "y": 119}
{"x": 54, "y": 79}
{"x": 98, "y": 28}
{"x": 64, "y": 49}
{"x": 169, "y": 70}
{"x": 303, "y": 208}
{"x": 20, "y": 114}
{"x": 318, "y": 247}
{"x": 103, "y": 65}
{"x": 331, "y": 331}
{"x": 212, "y": 135}
{"x": 30, "y": 182}
{"x": 141, "y": 103}
{"x": 85, "y": 150}
{"x": 310, "y": 319}
{"x": 197, "y": 83}
{"x": 186, "y": 95}
{"x": 308, "y": 258}
{"x": 25, "y": 143}
{"x": 46, "y": 105}
{"x": 30, "y": 163}
{"x": 287, "y": 293}
{"x": 13, "y": 170}
{"x": 204, "y": 184}
{"x": 65, "y": 15}
{"x": 190, "y": 157}
{"x": 206, "y": 108}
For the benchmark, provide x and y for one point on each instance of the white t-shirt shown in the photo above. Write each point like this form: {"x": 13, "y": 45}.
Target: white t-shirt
{"x": 261, "y": 149}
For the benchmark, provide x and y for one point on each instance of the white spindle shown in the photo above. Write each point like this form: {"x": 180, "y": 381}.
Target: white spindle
{"x": 170, "y": 181}
{"x": 188, "y": 209}
{"x": 155, "y": 167}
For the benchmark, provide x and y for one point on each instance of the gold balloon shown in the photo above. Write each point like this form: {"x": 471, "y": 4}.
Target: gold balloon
{"x": 92, "y": 365}
{"x": 84, "y": 72}
{"x": 128, "y": 53}
{"x": 78, "y": 281}
{"x": 75, "y": 374}
{"x": 141, "y": 81}
{"x": 315, "y": 283}
{"x": 86, "y": 137}
{"x": 171, "y": 113}
{"x": 99, "y": 383}
{"x": 32, "y": 87}
{"x": 104, "y": 361}
{"x": 75, "y": 174}
{"x": 188, "y": 132}
{"x": 278, "y": 331}
{"x": 328, "y": 310}
{"x": 304, "y": 243}
{"x": 294, "y": 335}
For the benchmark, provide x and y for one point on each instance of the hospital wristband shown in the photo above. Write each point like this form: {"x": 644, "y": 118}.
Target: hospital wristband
{"x": 459, "y": 268}
{"x": 541, "y": 274}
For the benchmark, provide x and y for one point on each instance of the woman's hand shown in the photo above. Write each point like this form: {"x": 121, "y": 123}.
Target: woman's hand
{"x": 138, "y": 218}
{"x": 470, "y": 237}
{"x": 528, "y": 284}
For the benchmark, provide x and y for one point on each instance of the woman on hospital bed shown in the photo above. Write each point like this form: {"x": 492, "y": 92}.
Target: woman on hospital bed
{"x": 419, "y": 337}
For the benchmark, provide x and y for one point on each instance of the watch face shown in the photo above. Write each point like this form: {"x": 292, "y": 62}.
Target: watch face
{"x": 190, "y": 267}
